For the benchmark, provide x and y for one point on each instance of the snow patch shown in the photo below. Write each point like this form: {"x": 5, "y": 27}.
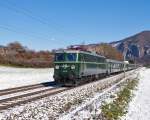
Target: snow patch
{"x": 92, "y": 106}
{"x": 16, "y": 77}
{"x": 139, "y": 108}
{"x": 116, "y": 44}
{"x": 52, "y": 107}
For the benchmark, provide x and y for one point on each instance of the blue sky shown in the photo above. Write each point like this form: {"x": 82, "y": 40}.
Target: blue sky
{"x": 50, "y": 24}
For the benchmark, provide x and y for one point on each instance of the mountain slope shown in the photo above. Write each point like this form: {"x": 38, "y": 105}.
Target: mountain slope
{"x": 136, "y": 47}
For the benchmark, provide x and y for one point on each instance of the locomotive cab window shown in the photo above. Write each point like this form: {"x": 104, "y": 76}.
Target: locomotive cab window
{"x": 59, "y": 57}
{"x": 71, "y": 56}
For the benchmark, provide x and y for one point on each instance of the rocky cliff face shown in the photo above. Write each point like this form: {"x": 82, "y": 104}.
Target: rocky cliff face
{"x": 135, "y": 47}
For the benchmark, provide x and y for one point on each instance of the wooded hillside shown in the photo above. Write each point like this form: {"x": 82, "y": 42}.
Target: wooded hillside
{"x": 103, "y": 49}
{"x": 15, "y": 54}
{"x": 107, "y": 51}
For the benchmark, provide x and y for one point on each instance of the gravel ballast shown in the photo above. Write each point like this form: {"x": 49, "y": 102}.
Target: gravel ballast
{"x": 52, "y": 107}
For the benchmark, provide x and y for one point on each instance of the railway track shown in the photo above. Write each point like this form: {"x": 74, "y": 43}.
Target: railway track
{"x": 23, "y": 88}
{"x": 21, "y": 95}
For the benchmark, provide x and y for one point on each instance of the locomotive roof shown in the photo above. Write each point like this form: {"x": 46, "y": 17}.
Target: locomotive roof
{"x": 79, "y": 51}
{"x": 114, "y": 61}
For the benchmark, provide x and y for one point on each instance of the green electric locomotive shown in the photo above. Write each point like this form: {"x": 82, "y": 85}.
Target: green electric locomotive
{"x": 73, "y": 67}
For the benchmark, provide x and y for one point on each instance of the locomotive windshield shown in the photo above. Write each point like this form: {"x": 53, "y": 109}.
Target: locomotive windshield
{"x": 59, "y": 57}
{"x": 65, "y": 57}
{"x": 71, "y": 57}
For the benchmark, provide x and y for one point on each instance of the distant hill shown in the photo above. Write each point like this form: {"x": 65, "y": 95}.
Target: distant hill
{"x": 103, "y": 49}
{"x": 136, "y": 47}
{"x": 14, "y": 54}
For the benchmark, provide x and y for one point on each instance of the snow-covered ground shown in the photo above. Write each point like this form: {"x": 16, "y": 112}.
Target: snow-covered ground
{"x": 59, "y": 105}
{"x": 139, "y": 108}
{"x": 15, "y": 77}
{"x": 90, "y": 109}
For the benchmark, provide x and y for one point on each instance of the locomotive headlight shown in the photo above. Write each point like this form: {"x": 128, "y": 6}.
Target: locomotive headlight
{"x": 57, "y": 67}
{"x": 72, "y": 66}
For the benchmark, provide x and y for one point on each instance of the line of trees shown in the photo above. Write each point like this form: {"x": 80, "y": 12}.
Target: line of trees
{"x": 18, "y": 55}
{"x": 108, "y": 51}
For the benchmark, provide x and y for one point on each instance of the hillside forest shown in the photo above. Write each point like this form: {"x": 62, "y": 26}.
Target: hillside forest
{"x": 15, "y": 54}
